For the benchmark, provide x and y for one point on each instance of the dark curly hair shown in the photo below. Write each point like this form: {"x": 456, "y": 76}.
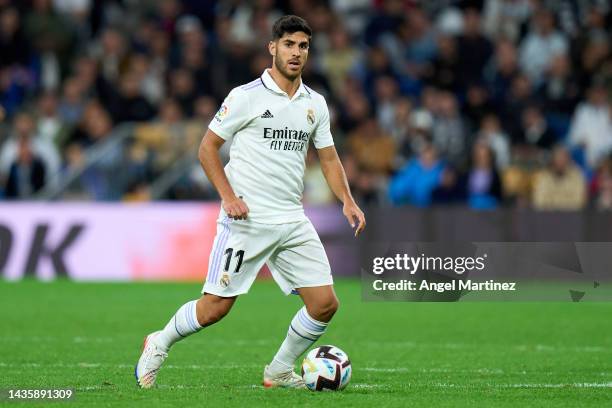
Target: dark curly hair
{"x": 290, "y": 24}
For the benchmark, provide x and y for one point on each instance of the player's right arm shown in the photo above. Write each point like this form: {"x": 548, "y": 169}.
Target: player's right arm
{"x": 229, "y": 120}
{"x": 208, "y": 154}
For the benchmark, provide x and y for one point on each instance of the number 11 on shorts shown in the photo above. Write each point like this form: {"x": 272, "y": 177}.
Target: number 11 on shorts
{"x": 228, "y": 254}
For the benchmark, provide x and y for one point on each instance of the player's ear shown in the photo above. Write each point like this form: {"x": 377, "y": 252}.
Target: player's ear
{"x": 272, "y": 48}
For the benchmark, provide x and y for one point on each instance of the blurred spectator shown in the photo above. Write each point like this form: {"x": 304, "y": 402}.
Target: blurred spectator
{"x": 159, "y": 52}
{"x": 168, "y": 12}
{"x": 195, "y": 62}
{"x": 602, "y": 186}
{"x": 492, "y": 135}
{"x": 411, "y": 45}
{"x": 90, "y": 184}
{"x": 591, "y": 127}
{"x": 339, "y": 59}
{"x": 502, "y": 70}
{"x": 72, "y": 102}
{"x": 49, "y": 124}
{"x": 593, "y": 55}
{"x": 14, "y": 49}
{"x": 112, "y": 54}
{"x": 560, "y": 91}
{"x": 95, "y": 125}
{"x": 321, "y": 21}
{"x": 483, "y": 182}
{"x": 535, "y": 131}
{"x": 50, "y": 35}
{"x": 541, "y": 45}
{"x": 451, "y": 189}
{"x": 398, "y": 126}
{"x": 477, "y": 105}
{"x": 443, "y": 72}
{"x": 356, "y": 110}
{"x": 475, "y": 49}
{"x": 415, "y": 183}
{"x": 251, "y": 21}
{"x": 387, "y": 19}
{"x": 15, "y": 84}
{"x": 353, "y": 13}
{"x": 516, "y": 101}
{"x": 26, "y": 174}
{"x": 378, "y": 64}
{"x": 183, "y": 90}
{"x": 418, "y": 133}
{"x": 504, "y": 18}
{"x": 449, "y": 133}
{"x": 386, "y": 95}
{"x": 366, "y": 187}
{"x": 316, "y": 190}
{"x": 128, "y": 104}
{"x": 205, "y": 108}
{"x": 24, "y": 129}
{"x": 151, "y": 82}
{"x": 560, "y": 187}
{"x": 87, "y": 81}
{"x": 368, "y": 138}
{"x": 77, "y": 13}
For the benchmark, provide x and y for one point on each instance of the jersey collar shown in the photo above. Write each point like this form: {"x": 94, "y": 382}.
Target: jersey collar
{"x": 269, "y": 83}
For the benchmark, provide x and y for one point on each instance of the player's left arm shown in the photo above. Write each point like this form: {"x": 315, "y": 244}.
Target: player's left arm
{"x": 336, "y": 179}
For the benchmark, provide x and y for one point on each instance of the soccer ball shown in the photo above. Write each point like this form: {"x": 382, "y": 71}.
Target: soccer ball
{"x": 326, "y": 368}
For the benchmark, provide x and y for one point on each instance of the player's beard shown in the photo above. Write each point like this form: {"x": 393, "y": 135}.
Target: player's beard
{"x": 281, "y": 67}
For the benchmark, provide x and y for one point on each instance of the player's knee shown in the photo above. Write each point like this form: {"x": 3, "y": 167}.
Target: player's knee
{"x": 332, "y": 306}
{"x": 325, "y": 309}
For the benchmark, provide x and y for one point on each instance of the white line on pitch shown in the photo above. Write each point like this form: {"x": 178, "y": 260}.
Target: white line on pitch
{"x": 519, "y": 347}
{"x": 366, "y": 386}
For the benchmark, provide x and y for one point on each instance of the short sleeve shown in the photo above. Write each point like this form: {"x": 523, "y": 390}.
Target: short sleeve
{"x": 322, "y": 135}
{"x": 232, "y": 115}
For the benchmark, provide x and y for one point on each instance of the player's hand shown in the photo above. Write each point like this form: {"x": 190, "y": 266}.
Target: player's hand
{"x": 355, "y": 216}
{"x": 236, "y": 208}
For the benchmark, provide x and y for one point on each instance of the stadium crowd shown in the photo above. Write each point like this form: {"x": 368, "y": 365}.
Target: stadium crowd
{"x": 481, "y": 103}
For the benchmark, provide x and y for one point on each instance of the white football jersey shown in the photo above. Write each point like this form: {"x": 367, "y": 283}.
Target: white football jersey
{"x": 271, "y": 133}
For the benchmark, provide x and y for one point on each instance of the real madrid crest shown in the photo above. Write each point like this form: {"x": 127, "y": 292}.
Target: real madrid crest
{"x": 225, "y": 280}
{"x": 310, "y": 117}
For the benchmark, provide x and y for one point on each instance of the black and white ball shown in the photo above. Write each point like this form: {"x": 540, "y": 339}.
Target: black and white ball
{"x": 326, "y": 368}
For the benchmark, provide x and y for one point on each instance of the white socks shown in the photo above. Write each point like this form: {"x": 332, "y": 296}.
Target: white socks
{"x": 303, "y": 332}
{"x": 182, "y": 324}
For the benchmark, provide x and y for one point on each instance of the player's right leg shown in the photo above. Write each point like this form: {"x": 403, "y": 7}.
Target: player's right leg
{"x": 239, "y": 251}
{"x": 189, "y": 319}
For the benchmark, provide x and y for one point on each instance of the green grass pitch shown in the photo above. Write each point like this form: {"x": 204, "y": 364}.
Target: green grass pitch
{"x": 88, "y": 336}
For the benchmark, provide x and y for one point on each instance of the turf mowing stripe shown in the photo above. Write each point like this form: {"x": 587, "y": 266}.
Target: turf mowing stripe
{"x": 243, "y": 342}
{"x": 240, "y": 366}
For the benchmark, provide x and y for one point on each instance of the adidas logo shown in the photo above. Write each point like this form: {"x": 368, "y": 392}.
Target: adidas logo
{"x": 267, "y": 114}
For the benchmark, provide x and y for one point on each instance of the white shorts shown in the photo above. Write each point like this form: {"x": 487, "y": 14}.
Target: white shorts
{"x": 293, "y": 252}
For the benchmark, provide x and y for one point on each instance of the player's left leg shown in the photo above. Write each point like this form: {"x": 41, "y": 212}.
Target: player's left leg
{"x": 308, "y": 324}
{"x": 301, "y": 265}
